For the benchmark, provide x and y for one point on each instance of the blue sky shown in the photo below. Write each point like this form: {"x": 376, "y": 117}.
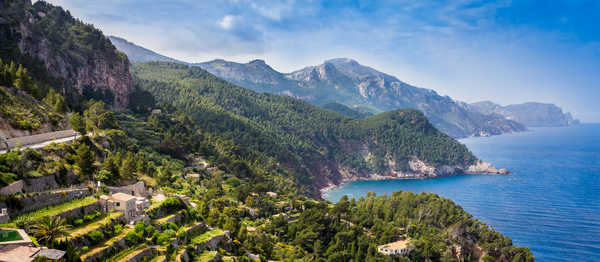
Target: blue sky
{"x": 504, "y": 51}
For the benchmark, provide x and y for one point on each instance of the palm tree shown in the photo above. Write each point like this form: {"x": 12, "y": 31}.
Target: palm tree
{"x": 48, "y": 229}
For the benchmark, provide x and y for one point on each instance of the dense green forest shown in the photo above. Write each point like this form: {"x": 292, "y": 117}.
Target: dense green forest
{"x": 347, "y": 111}
{"x": 311, "y": 141}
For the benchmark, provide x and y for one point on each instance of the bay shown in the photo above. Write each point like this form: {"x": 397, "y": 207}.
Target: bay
{"x": 551, "y": 202}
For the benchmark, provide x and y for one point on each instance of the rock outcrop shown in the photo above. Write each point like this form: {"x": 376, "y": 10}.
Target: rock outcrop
{"x": 77, "y": 55}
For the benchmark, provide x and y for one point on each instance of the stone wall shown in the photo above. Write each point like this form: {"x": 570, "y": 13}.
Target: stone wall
{"x": 99, "y": 256}
{"x": 81, "y": 211}
{"x": 222, "y": 241}
{"x": 83, "y": 240}
{"x": 45, "y": 199}
{"x": 139, "y": 257}
{"x": 40, "y": 184}
{"x": 15, "y": 187}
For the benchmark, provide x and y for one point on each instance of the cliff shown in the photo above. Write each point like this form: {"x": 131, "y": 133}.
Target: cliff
{"x": 63, "y": 52}
{"x": 530, "y": 114}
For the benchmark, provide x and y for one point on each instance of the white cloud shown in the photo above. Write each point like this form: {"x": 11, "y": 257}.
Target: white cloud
{"x": 227, "y": 22}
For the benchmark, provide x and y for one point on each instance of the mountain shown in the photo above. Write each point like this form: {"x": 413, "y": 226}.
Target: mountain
{"x": 62, "y": 52}
{"x": 317, "y": 147}
{"x": 347, "y": 82}
{"x": 530, "y": 114}
{"x": 347, "y": 111}
{"x": 137, "y": 53}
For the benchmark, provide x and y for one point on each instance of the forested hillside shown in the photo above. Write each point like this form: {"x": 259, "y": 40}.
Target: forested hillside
{"x": 347, "y": 111}
{"x": 318, "y": 146}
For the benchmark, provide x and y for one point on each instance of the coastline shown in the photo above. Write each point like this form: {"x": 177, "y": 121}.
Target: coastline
{"x": 332, "y": 186}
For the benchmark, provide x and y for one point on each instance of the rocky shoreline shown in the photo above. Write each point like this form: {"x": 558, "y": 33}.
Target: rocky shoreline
{"x": 422, "y": 171}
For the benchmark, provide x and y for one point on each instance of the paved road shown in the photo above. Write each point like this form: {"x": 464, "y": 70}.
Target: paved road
{"x": 40, "y": 140}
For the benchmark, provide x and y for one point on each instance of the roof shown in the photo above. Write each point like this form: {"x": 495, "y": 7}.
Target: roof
{"x": 396, "y": 245}
{"x": 53, "y": 254}
{"x": 194, "y": 175}
{"x": 122, "y": 197}
{"x": 17, "y": 253}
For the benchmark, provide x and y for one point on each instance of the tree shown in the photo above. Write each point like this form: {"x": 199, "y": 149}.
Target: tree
{"x": 85, "y": 160}
{"x": 78, "y": 123}
{"x": 24, "y": 82}
{"x": 49, "y": 228}
{"x": 55, "y": 100}
{"x": 127, "y": 169}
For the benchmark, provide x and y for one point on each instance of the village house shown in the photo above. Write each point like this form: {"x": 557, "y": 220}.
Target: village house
{"x": 193, "y": 176}
{"x": 272, "y": 194}
{"x": 131, "y": 206}
{"x": 398, "y": 248}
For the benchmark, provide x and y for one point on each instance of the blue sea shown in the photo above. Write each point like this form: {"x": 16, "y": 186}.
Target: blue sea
{"x": 551, "y": 202}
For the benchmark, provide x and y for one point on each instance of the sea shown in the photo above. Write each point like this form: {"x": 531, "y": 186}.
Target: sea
{"x": 550, "y": 203}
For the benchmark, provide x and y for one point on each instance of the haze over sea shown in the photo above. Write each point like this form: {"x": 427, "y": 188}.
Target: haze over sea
{"x": 551, "y": 202}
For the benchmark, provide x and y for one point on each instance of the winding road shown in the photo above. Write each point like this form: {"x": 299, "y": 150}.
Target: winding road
{"x": 39, "y": 140}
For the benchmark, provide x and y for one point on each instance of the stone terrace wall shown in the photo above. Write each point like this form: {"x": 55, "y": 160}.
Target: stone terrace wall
{"x": 117, "y": 245}
{"x": 42, "y": 200}
{"x": 146, "y": 253}
{"x": 81, "y": 211}
{"x": 15, "y": 187}
{"x": 40, "y": 184}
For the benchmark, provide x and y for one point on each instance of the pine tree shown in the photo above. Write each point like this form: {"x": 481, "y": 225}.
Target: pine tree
{"x": 78, "y": 123}
{"x": 85, "y": 160}
{"x": 127, "y": 170}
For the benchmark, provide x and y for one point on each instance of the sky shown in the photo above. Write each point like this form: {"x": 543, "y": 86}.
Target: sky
{"x": 504, "y": 51}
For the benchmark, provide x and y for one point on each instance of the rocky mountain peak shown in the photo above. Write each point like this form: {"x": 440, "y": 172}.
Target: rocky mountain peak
{"x": 257, "y": 62}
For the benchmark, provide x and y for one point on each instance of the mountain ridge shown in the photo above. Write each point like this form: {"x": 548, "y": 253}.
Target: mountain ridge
{"x": 347, "y": 82}
{"x": 532, "y": 114}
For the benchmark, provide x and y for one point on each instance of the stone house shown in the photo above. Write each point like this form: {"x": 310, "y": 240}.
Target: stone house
{"x": 193, "y": 176}
{"x": 131, "y": 206}
{"x": 137, "y": 189}
{"x": 398, "y": 248}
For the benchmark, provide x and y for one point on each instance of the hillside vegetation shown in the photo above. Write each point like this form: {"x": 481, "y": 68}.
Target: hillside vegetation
{"x": 316, "y": 144}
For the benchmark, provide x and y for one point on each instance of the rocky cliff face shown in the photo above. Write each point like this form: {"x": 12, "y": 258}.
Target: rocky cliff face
{"x": 530, "y": 114}
{"x": 417, "y": 168}
{"x": 80, "y": 56}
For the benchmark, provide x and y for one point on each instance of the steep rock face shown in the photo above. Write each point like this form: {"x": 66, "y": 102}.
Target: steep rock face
{"x": 77, "y": 54}
{"x": 530, "y": 114}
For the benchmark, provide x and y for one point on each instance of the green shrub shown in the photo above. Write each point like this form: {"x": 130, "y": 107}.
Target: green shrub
{"x": 118, "y": 229}
{"x": 132, "y": 238}
{"x": 149, "y": 231}
{"x": 95, "y": 237}
{"x": 78, "y": 222}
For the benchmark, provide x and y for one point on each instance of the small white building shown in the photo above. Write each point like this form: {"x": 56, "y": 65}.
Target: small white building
{"x": 398, "y": 248}
{"x": 272, "y": 194}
